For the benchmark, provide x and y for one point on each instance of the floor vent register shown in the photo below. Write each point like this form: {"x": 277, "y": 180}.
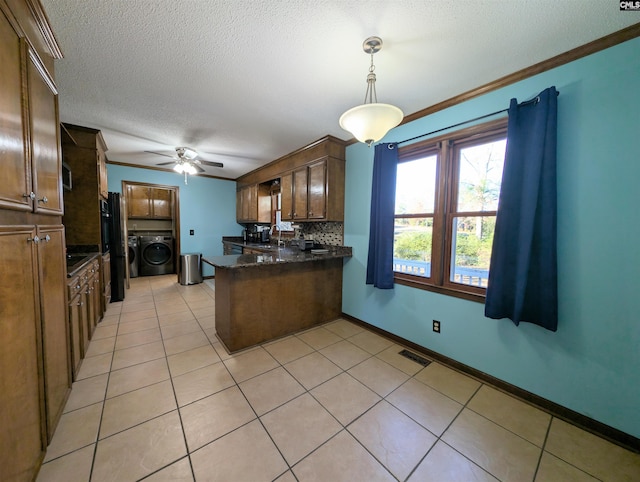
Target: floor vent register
{"x": 416, "y": 358}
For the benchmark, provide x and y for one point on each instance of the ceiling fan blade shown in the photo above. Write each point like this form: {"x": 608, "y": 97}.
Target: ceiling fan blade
{"x": 166, "y": 163}
{"x": 209, "y": 163}
{"x": 161, "y": 154}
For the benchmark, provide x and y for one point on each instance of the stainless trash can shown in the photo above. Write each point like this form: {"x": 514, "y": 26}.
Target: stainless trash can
{"x": 190, "y": 269}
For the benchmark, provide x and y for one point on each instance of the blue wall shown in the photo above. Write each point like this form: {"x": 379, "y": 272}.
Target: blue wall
{"x": 592, "y": 363}
{"x": 207, "y": 206}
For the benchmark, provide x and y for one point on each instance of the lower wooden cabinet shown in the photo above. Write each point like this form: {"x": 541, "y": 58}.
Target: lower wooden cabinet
{"x": 55, "y": 337}
{"x": 22, "y": 437}
{"x": 85, "y": 294}
{"x": 105, "y": 270}
{"x": 34, "y": 365}
{"x": 77, "y": 319}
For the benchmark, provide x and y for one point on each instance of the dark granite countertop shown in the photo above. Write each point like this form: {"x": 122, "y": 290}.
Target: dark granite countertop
{"x": 77, "y": 261}
{"x": 275, "y": 255}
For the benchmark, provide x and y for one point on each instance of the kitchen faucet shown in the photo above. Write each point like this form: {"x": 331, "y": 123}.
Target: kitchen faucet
{"x": 279, "y": 232}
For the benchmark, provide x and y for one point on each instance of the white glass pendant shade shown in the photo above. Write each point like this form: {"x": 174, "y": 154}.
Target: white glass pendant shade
{"x": 179, "y": 168}
{"x": 370, "y": 122}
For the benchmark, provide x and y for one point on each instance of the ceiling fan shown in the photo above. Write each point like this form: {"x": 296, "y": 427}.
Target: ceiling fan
{"x": 186, "y": 161}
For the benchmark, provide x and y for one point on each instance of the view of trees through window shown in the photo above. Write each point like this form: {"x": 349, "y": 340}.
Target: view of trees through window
{"x": 472, "y": 181}
{"x": 480, "y": 175}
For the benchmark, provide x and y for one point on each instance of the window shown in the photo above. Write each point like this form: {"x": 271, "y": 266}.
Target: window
{"x": 447, "y": 193}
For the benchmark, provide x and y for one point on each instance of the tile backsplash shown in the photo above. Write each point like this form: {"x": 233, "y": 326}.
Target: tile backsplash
{"x": 331, "y": 234}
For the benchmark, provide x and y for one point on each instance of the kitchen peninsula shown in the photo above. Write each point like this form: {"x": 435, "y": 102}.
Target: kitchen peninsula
{"x": 274, "y": 292}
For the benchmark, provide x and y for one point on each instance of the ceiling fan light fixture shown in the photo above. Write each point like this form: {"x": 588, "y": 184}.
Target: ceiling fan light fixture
{"x": 189, "y": 168}
{"x": 179, "y": 168}
{"x": 371, "y": 121}
{"x": 186, "y": 152}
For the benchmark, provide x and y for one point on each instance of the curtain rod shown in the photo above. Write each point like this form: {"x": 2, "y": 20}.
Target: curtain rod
{"x": 452, "y": 126}
{"x": 535, "y": 100}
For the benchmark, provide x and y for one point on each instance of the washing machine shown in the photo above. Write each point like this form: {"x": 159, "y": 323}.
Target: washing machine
{"x": 156, "y": 255}
{"x": 134, "y": 256}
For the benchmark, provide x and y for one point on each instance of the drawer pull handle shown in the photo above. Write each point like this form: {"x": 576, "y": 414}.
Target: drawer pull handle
{"x": 44, "y": 200}
{"x": 31, "y": 195}
{"x": 35, "y": 239}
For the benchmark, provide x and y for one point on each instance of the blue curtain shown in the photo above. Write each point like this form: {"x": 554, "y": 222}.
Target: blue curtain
{"x": 523, "y": 271}
{"x": 383, "y": 201}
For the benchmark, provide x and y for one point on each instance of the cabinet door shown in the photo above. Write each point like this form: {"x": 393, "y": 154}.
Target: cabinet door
{"x": 138, "y": 201}
{"x": 15, "y": 170}
{"x": 286, "y": 196}
{"x": 55, "y": 336}
{"x": 248, "y": 204}
{"x": 102, "y": 174}
{"x": 316, "y": 188}
{"x": 160, "y": 203}
{"x": 46, "y": 157}
{"x": 300, "y": 194}
{"x": 22, "y": 413}
{"x": 106, "y": 281}
{"x": 77, "y": 316}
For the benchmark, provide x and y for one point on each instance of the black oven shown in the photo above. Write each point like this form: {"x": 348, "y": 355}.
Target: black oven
{"x": 105, "y": 217}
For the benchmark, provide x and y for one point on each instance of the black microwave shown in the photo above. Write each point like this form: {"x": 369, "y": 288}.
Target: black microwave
{"x": 66, "y": 177}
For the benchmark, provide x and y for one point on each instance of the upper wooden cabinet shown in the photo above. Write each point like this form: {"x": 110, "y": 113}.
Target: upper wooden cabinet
{"x": 13, "y": 158}
{"x": 31, "y": 176}
{"x": 83, "y": 150}
{"x": 311, "y": 182}
{"x": 46, "y": 158}
{"x": 146, "y": 202}
{"x": 161, "y": 203}
{"x": 314, "y": 192}
{"x": 253, "y": 204}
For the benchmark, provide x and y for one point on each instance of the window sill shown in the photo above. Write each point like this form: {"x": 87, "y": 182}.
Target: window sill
{"x": 421, "y": 285}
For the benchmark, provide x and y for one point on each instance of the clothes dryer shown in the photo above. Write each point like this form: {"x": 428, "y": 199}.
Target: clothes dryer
{"x": 156, "y": 255}
{"x": 134, "y": 256}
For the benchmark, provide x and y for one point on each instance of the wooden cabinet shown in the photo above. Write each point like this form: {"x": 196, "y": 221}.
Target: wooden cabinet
{"x": 253, "y": 204}
{"x": 34, "y": 358}
{"x": 300, "y": 193}
{"x": 105, "y": 270}
{"x": 314, "y": 192}
{"x": 144, "y": 202}
{"x": 46, "y": 161}
{"x": 85, "y": 309}
{"x": 77, "y": 320}
{"x": 286, "y": 196}
{"x": 22, "y": 437}
{"x": 247, "y": 204}
{"x": 31, "y": 177}
{"x": 311, "y": 181}
{"x": 53, "y": 307}
{"x": 15, "y": 167}
{"x": 94, "y": 297}
{"x": 102, "y": 171}
{"x": 83, "y": 150}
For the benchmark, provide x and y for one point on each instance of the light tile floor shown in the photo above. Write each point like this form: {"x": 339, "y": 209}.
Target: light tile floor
{"x": 158, "y": 398}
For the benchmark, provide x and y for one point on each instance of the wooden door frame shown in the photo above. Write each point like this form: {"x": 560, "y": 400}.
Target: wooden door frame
{"x": 175, "y": 221}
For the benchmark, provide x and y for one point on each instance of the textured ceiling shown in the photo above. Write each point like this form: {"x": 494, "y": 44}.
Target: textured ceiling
{"x": 247, "y": 81}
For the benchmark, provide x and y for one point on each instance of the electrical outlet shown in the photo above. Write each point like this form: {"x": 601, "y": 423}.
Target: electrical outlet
{"x": 436, "y": 326}
{"x": 191, "y": 232}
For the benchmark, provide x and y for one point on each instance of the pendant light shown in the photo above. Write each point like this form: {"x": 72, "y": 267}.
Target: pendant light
{"x": 371, "y": 121}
